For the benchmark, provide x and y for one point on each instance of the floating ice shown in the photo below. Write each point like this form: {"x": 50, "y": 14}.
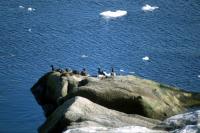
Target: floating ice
{"x": 29, "y": 30}
{"x": 21, "y": 7}
{"x": 121, "y": 70}
{"x": 148, "y": 8}
{"x": 132, "y": 72}
{"x": 31, "y": 9}
{"x": 116, "y": 14}
{"x": 84, "y": 56}
{"x": 146, "y": 58}
{"x": 198, "y": 76}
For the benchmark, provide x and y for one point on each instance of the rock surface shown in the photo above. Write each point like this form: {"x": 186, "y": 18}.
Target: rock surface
{"x": 79, "y": 112}
{"x": 72, "y": 101}
{"x": 185, "y": 123}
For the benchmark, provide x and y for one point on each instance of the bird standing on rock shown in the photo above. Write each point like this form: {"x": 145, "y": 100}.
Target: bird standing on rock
{"x": 113, "y": 72}
{"x": 84, "y": 72}
{"x": 52, "y": 68}
{"x": 101, "y": 74}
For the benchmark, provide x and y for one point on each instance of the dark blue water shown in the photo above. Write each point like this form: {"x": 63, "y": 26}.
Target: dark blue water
{"x": 64, "y": 30}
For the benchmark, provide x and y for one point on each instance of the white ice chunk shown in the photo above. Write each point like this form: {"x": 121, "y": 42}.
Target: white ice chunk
{"x": 148, "y": 8}
{"x": 115, "y": 14}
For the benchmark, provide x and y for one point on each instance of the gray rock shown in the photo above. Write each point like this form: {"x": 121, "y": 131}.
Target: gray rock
{"x": 52, "y": 87}
{"x": 128, "y": 94}
{"x": 75, "y": 102}
{"x": 80, "y": 112}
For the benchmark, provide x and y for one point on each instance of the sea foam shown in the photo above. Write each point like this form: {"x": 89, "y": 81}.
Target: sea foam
{"x": 148, "y": 8}
{"x": 115, "y": 14}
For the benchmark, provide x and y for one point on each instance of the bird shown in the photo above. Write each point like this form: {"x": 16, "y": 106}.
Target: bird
{"x": 84, "y": 72}
{"x": 101, "y": 74}
{"x": 52, "y": 68}
{"x": 75, "y": 72}
{"x": 113, "y": 72}
{"x": 107, "y": 74}
{"x": 59, "y": 70}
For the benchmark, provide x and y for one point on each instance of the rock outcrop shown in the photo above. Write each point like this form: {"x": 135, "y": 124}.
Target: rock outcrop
{"x": 79, "y": 112}
{"x": 72, "y": 100}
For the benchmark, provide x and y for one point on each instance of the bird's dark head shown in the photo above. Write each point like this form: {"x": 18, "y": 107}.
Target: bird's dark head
{"x": 112, "y": 69}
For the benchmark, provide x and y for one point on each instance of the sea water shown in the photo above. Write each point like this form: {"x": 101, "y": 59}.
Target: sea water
{"x": 158, "y": 40}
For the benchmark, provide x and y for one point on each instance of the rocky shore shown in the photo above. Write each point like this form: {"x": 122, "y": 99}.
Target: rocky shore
{"x": 75, "y": 103}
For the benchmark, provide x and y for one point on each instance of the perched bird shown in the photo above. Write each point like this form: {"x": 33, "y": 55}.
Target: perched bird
{"x": 107, "y": 74}
{"x": 113, "y": 72}
{"x": 75, "y": 72}
{"x": 59, "y": 70}
{"x": 84, "y": 72}
{"x": 52, "y": 68}
{"x": 101, "y": 74}
{"x": 68, "y": 70}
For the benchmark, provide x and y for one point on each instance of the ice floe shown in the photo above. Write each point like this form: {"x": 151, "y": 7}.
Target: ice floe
{"x": 148, "y": 8}
{"x": 146, "y": 58}
{"x": 30, "y": 30}
{"x": 121, "y": 70}
{"x": 198, "y": 76}
{"x": 21, "y": 7}
{"x": 113, "y": 14}
{"x": 132, "y": 72}
{"x": 84, "y": 56}
{"x": 30, "y": 9}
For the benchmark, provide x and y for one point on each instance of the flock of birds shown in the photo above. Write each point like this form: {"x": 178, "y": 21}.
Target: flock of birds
{"x": 101, "y": 73}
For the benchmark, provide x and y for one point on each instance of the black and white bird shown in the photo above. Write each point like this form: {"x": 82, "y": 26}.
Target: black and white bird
{"x": 84, "y": 72}
{"x": 52, "y": 68}
{"x": 101, "y": 74}
{"x": 113, "y": 72}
